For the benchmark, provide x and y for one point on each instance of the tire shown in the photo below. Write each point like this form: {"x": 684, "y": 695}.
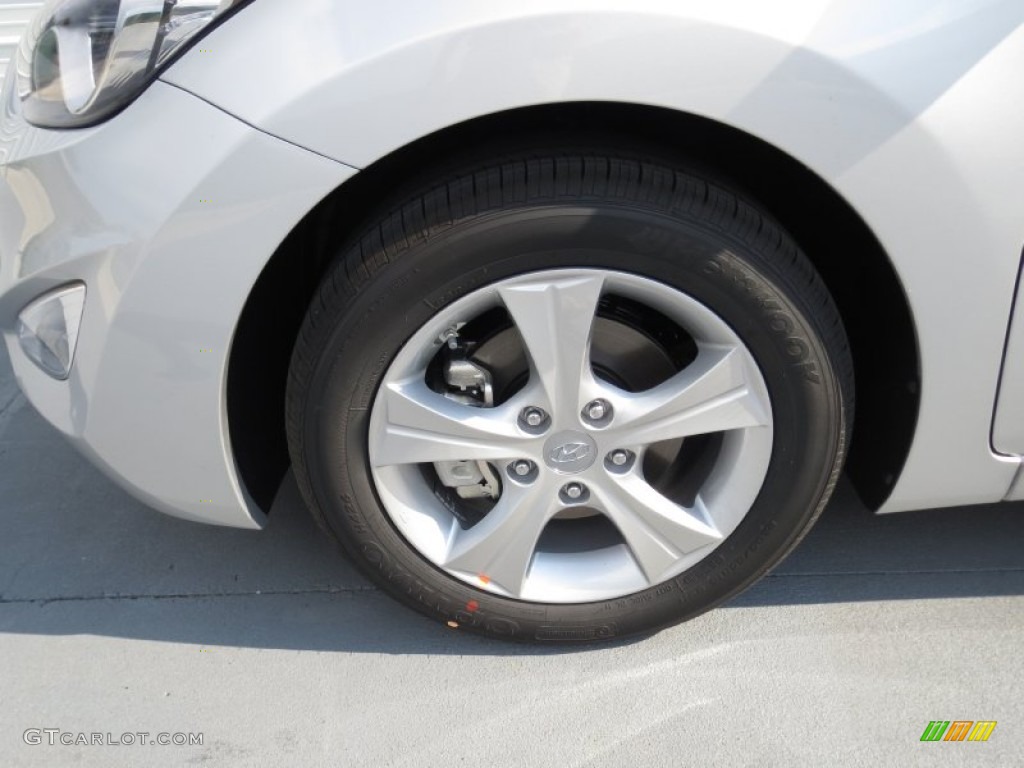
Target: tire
{"x": 568, "y": 221}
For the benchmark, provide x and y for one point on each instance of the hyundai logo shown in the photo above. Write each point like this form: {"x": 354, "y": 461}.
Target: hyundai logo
{"x": 569, "y": 453}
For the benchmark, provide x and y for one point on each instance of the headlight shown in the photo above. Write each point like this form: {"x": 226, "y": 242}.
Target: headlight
{"x": 83, "y": 60}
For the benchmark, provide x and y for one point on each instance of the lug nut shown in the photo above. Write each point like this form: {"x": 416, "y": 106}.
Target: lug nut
{"x": 574, "y": 490}
{"x": 597, "y": 411}
{"x": 522, "y": 471}
{"x": 533, "y": 418}
{"x": 574, "y": 493}
{"x": 619, "y": 461}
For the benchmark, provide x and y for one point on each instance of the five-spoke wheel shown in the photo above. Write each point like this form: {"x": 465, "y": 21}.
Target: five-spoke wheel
{"x": 573, "y": 438}
{"x": 568, "y": 396}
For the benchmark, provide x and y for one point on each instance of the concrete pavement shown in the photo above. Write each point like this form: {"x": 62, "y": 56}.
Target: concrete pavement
{"x": 115, "y": 619}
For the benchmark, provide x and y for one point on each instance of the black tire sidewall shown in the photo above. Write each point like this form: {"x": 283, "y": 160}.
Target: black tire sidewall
{"x": 757, "y": 296}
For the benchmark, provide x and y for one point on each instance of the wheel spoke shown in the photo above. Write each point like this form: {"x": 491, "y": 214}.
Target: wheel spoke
{"x": 656, "y": 530}
{"x": 712, "y": 394}
{"x": 500, "y": 547}
{"x": 422, "y": 426}
{"x": 554, "y": 318}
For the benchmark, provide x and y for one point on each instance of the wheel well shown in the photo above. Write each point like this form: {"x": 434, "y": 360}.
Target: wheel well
{"x": 845, "y": 252}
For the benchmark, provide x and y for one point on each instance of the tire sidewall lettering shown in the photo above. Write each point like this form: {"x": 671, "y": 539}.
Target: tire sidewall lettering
{"x": 779, "y": 321}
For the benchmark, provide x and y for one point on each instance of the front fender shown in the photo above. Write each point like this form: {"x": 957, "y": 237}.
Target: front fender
{"x": 911, "y": 111}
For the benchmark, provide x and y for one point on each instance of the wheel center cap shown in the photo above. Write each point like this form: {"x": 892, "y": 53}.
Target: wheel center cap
{"x": 569, "y": 452}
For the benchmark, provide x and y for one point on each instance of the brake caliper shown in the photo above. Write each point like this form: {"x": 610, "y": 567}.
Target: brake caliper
{"x": 469, "y": 383}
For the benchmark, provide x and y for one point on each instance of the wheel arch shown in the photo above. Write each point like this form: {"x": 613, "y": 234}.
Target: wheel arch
{"x": 834, "y": 236}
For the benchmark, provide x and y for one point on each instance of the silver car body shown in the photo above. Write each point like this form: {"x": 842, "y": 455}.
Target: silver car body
{"x": 913, "y": 112}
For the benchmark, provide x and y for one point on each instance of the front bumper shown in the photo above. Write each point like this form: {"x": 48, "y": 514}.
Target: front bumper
{"x": 168, "y": 213}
